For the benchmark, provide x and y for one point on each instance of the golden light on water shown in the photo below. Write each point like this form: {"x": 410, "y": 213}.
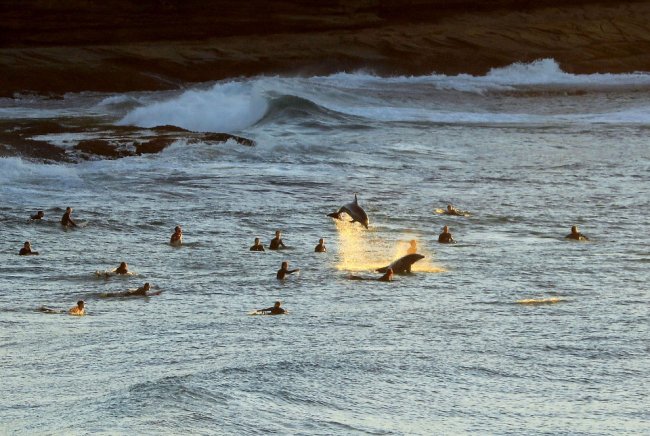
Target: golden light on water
{"x": 363, "y": 250}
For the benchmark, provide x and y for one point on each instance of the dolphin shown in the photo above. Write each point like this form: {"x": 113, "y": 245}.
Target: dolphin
{"x": 354, "y": 210}
{"x": 402, "y": 265}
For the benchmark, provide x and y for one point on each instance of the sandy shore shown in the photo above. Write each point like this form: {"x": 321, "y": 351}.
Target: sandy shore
{"x": 116, "y": 46}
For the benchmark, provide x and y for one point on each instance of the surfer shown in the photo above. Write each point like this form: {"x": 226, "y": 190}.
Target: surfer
{"x": 576, "y": 235}
{"x": 284, "y": 270}
{"x": 142, "y": 291}
{"x": 413, "y": 248}
{"x": 275, "y": 310}
{"x": 276, "y": 242}
{"x": 445, "y": 237}
{"x": 177, "y": 237}
{"x": 320, "y": 248}
{"x": 66, "y": 221}
{"x": 387, "y": 277}
{"x": 78, "y": 310}
{"x": 122, "y": 269}
{"x": 451, "y": 210}
{"x": 27, "y": 250}
{"x": 39, "y": 215}
{"x": 257, "y": 246}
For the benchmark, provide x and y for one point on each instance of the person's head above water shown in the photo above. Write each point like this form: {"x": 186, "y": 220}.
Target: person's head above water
{"x": 321, "y": 241}
{"x": 27, "y": 244}
{"x": 445, "y": 229}
{"x": 285, "y": 265}
{"x": 40, "y": 214}
{"x": 278, "y": 233}
{"x": 80, "y": 304}
{"x": 277, "y": 304}
{"x": 413, "y": 242}
{"x": 450, "y": 207}
{"x": 68, "y": 209}
{"x": 257, "y": 241}
{"x": 147, "y": 286}
{"x": 574, "y": 229}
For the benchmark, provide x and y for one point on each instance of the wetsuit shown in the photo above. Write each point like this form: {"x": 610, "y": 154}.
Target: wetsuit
{"x": 445, "y": 238}
{"x": 257, "y": 247}
{"x": 283, "y": 272}
{"x": 120, "y": 270}
{"x": 273, "y": 310}
{"x": 177, "y": 238}
{"x": 26, "y": 252}
{"x": 320, "y": 248}
{"x": 276, "y": 243}
{"x": 577, "y": 236}
{"x": 67, "y": 221}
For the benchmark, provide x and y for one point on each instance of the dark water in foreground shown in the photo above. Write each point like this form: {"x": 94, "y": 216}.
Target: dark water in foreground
{"x": 447, "y": 350}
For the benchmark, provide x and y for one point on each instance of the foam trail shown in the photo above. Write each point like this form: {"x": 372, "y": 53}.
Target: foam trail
{"x": 226, "y": 107}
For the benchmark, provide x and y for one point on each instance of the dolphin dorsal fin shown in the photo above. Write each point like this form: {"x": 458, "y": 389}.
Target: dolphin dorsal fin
{"x": 355, "y": 198}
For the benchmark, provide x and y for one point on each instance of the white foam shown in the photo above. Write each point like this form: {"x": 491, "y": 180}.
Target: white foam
{"x": 16, "y": 170}
{"x": 226, "y": 107}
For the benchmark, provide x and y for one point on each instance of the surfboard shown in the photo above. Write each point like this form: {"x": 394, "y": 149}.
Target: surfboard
{"x": 458, "y": 212}
{"x": 550, "y": 300}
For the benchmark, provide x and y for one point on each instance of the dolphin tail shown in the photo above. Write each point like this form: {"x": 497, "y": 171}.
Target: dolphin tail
{"x": 336, "y": 215}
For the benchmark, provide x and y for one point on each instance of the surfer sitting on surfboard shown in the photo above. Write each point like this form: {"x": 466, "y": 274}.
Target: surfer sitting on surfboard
{"x": 276, "y": 242}
{"x": 38, "y": 215}
{"x": 284, "y": 270}
{"x": 275, "y": 310}
{"x": 78, "y": 310}
{"x": 66, "y": 221}
{"x": 257, "y": 246}
{"x": 320, "y": 248}
{"x": 27, "y": 250}
{"x": 177, "y": 237}
{"x": 445, "y": 237}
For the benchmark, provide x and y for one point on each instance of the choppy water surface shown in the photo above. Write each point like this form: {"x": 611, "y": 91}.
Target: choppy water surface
{"x": 529, "y": 150}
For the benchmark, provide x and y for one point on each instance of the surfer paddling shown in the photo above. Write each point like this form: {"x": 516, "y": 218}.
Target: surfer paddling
{"x": 387, "y": 277}
{"x": 576, "y": 235}
{"x": 39, "y": 215}
{"x": 66, "y": 220}
{"x": 27, "y": 250}
{"x": 122, "y": 269}
{"x": 142, "y": 291}
{"x": 284, "y": 270}
{"x": 275, "y": 310}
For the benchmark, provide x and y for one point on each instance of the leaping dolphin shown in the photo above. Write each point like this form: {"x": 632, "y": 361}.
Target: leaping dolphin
{"x": 403, "y": 264}
{"x": 354, "y": 210}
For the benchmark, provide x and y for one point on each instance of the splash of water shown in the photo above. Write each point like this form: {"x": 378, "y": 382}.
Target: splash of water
{"x": 361, "y": 250}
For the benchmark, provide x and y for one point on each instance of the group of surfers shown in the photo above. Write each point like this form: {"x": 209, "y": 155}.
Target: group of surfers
{"x": 276, "y": 243}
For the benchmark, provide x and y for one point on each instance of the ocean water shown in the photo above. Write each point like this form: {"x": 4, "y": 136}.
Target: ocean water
{"x": 528, "y": 150}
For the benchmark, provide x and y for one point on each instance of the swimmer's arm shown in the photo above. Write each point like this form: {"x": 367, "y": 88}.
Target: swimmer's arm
{"x": 293, "y": 271}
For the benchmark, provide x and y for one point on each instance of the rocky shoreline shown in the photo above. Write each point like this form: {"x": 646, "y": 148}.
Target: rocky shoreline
{"x": 51, "y": 48}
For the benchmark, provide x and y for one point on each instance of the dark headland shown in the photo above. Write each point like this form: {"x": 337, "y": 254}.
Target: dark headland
{"x": 52, "y": 47}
